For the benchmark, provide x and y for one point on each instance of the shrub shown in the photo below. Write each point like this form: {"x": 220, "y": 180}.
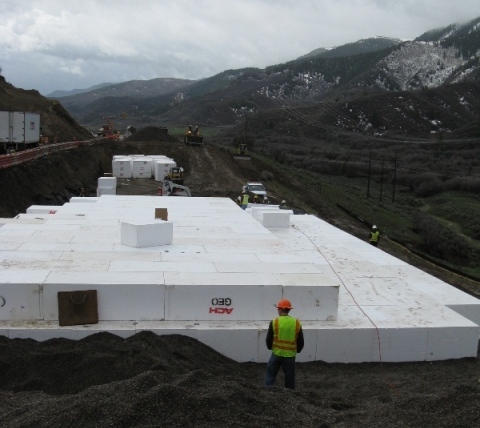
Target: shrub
{"x": 442, "y": 242}
{"x": 267, "y": 176}
{"x": 464, "y": 184}
{"x": 431, "y": 186}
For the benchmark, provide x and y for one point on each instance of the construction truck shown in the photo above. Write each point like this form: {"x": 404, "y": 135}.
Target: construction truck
{"x": 173, "y": 189}
{"x": 242, "y": 153}
{"x": 257, "y": 190}
{"x": 193, "y": 137}
{"x": 107, "y": 131}
{"x": 175, "y": 175}
{"x": 19, "y": 131}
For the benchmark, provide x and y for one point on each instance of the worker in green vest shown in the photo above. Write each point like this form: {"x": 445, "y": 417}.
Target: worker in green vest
{"x": 374, "y": 236}
{"x": 285, "y": 339}
{"x": 245, "y": 198}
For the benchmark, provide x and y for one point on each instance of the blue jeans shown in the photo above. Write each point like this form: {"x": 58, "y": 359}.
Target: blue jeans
{"x": 288, "y": 366}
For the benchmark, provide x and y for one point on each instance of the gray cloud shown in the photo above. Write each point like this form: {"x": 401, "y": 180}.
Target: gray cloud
{"x": 55, "y": 44}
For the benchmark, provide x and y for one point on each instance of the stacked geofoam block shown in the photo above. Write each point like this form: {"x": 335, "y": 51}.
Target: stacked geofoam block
{"x": 107, "y": 186}
{"x": 141, "y": 166}
{"x": 122, "y": 166}
{"x": 162, "y": 168}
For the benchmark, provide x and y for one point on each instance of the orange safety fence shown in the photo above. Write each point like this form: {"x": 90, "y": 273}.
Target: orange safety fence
{"x": 17, "y": 158}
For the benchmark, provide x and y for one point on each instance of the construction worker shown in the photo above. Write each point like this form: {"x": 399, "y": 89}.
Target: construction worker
{"x": 245, "y": 198}
{"x": 283, "y": 205}
{"x": 265, "y": 200}
{"x": 256, "y": 199}
{"x": 285, "y": 339}
{"x": 374, "y": 236}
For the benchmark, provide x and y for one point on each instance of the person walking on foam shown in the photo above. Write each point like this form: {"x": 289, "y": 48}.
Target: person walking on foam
{"x": 285, "y": 339}
{"x": 245, "y": 198}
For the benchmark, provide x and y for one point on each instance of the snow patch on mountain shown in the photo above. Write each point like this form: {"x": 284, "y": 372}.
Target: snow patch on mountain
{"x": 417, "y": 65}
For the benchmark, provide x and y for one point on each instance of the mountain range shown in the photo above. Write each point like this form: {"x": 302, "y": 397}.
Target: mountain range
{"x": 381, "y": 87}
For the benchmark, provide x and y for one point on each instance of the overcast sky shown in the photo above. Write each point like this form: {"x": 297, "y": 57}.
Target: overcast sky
{"x": 53, "y": 45}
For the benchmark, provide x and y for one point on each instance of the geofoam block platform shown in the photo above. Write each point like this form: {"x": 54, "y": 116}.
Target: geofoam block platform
{"x": 214, "y": 272}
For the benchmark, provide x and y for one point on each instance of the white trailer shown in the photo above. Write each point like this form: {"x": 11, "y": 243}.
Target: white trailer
{"x": 19, "y": 130}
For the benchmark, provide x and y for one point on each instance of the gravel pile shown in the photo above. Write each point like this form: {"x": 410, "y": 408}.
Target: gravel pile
{"x": 176, "y": 381}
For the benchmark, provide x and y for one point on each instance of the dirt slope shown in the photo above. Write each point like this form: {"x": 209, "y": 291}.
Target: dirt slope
{"x": 209, "y": 171}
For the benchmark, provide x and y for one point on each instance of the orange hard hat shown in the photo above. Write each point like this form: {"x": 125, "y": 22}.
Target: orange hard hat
{"x": 284, "y": 304}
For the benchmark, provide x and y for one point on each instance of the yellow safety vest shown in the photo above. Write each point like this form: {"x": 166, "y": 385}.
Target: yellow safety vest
{"x": 245, "y": 200}
{"x": 285, "y": 333}
{"x": 375, "y": 236}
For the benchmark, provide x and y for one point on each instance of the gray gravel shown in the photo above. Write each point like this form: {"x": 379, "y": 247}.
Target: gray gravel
{"x": 176, "y": 381}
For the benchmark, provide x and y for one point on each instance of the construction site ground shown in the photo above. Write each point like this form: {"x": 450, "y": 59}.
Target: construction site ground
{"x": 209, "y": 171}
{"x": 178, "y": 382}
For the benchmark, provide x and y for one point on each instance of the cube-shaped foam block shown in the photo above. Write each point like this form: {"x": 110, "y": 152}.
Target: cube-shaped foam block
{"x": 143, "y": 234}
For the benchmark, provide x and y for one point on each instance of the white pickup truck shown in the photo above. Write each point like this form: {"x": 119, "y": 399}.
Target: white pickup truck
{"x": 256, "y": 188}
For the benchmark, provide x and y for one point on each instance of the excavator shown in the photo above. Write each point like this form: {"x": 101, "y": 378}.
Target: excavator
{"x": 193, "y": 137}
{"x": 175, "y": 175}
{"x": 107, "y": 131}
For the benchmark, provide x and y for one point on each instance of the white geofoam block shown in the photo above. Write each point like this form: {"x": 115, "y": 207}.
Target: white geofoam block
{"x": 115, "y": 301}
{"x": 318, "y": 303}
{"x": 257, "y": 211}
{"x": 142, "y": 167}
{"x": 276, "y": 219}
{"x": 106, "y": 191}
{"x": 20, "y": 302}
{"x": 43, "y": 209}
{"x": 79, "y": 200}
{"x": 122, "y": 167}
{"x": 346, "y": 345}
{"x": 162, "y": 168}
{"x": 107, "y": 182}
{"x": 209, "y": 302}
{"x": 141, "y": 234}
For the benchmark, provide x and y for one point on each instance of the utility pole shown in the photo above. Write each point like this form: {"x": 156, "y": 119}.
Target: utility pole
{"x": 394, "y": 177}
{"x": 369, "y": 171}
{"x": 381, "y": 182}
{"x": 246, "y": 128}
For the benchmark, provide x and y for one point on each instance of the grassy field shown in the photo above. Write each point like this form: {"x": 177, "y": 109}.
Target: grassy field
{"x": 444, "y": 227}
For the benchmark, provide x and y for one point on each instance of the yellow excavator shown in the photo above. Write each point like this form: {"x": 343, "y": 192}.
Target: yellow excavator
{"x": 175, "y": 175}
